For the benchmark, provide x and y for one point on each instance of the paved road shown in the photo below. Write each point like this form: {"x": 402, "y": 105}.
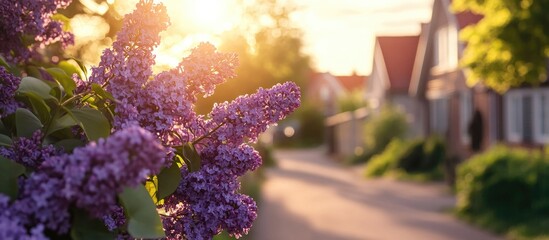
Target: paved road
{"x": 310, "y": 197}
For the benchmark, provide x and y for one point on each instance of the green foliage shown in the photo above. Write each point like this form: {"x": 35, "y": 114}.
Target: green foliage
{"x": 86, "y": 228}
{"x": 506, "y": 190}
{"x": 310, "y": 127}
{"x": 143, "y": 220}
{"x": 8, "y": 180}
{"x": 269, "y": 48}
{"x": 351, "y": 102}
{"x": 383, "y": 127}
{"x": 510, "y": 45}
{"x": 168, "y": 181}
{"x": 381, "y": 163}
{"x": 412, "y": 160}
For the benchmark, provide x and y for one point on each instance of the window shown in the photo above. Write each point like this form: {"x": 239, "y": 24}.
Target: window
{"x": 513, "y": 103}
{"x": 527, "y": 117}
{"x": 439, "y": 116}
{"x": 466, "y": 115}
{"x": 541, "y": 117}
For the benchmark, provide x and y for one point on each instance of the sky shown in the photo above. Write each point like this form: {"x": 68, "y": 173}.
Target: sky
{"x": 339, "y": 35}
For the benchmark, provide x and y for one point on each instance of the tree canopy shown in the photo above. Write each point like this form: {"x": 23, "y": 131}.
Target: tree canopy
{"x": 510, "y": 45}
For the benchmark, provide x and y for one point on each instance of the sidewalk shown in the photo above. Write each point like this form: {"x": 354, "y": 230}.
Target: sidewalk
{"x": 310, "y": 197}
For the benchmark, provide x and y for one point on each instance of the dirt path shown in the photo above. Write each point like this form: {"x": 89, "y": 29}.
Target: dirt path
{"x": 310, "y": 197}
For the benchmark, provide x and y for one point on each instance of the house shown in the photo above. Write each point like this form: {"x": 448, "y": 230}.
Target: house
{"x": 391, "y": 76}
{"x": 325, "y": 89}
{"x": 451, "y": 108}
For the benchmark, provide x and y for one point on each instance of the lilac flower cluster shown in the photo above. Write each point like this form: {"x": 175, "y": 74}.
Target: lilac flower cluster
{"x": 8, "y": 86}
{"x": 11, "y": 227}
{"x": 204, "y": 68}
{"x": 29, "y": 151}
{"x": 24, "y": 18}
{"x": 128, "y": 65}
{"x": 90, "y": 178}
{"x": 208, "y": 200}
{"x": 249, "y": 115}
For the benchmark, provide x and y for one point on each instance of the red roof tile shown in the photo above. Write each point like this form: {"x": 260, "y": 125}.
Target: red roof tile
{"x": 352, "y": 82}
{"x": 467, "y": 18}
{"x": 399, "y": 53}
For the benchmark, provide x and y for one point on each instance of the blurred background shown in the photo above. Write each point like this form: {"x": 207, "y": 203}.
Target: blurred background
{"x": 420, "y": 119}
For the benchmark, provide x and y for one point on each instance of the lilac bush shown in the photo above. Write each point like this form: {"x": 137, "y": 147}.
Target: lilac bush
{"x": 123, "y": 154}
{"x": 23, "y": 18}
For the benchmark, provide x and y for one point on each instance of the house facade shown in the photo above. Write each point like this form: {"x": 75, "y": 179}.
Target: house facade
{"x": 471, "y": 118}
{"x": 391, "y": 75}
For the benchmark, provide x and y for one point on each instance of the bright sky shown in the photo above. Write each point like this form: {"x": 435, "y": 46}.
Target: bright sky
{"x": 339, "y": 34}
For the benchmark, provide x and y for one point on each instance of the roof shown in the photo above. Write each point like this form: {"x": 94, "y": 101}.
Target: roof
{"x": 352, "y": 82}
{"x": 465, "y": 19}
{"x": 399, "y": 53}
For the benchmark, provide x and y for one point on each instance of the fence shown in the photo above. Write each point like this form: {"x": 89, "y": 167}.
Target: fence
{"x": 344, "y": 132}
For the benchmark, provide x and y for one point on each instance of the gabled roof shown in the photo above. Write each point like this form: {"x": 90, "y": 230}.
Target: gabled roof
{"x": 398, "y": 53}
{"x": 465, "y": 19}
{"x": 352, "y": 82}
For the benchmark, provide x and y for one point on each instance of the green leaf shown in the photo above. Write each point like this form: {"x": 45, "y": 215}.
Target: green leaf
{"x": 63, "y": 122}
{"x": 86, "y": 228}
{"x": 35, "y": 85}
{"x": 65, "y": 80}
{"x": 8, "y": 179}
{"x": 71, "y": 67}
{"x": 144, "y": 221}
{"x": 26, "y": 122}
{"x": 94, "y": 123}
{"x": 82, "y": 67}
{"x": 39, "y": 106}
{"x": 101, "y": 92}
{"x": 5, "y": 140}
{"x": 168, "y": 181}
{"x": 63, "y": 19}
{"x": 191, "y": 157}
{"x": 69, "y": 144}
{"x": 151, "y": 187}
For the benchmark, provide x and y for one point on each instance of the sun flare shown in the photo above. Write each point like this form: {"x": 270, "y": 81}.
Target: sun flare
{"x": 211, "y": 15}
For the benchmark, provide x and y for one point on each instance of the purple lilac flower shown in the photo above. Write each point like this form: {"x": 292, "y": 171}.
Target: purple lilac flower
{"x": 90, "y": 178}
{"x": 127, "y": 66}
{"x": 11, "y": 226}
{"x": 96, "y": 173}
{"x": 8, "y": 85}
{"x": 204, "y": 68}
{"x": 115, "y": 219}
{"x": 30, "y": 18}
{"x": 29, "y": 151}
{"x": 208, "y": 201}
{"x": 249, "y": 115}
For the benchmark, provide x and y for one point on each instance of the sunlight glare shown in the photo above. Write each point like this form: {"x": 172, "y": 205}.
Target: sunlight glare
{"x": 210, "y": 15}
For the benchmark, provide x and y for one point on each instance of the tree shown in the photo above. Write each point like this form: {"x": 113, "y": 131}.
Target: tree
{"x": 510, "y": 45}
{"x": 270, "y": 51}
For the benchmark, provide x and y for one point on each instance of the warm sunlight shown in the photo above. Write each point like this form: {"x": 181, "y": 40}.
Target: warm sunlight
{"x": 211, "y": 15}
{"x": 193, "y": 22}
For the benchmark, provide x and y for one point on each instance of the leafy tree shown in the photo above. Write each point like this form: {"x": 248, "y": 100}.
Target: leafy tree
{"x": 510, "y": 45}
{"x": 270, "y": 51}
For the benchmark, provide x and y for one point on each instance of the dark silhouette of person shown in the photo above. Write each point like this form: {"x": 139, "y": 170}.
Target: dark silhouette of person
{"x": 476, "y": 131}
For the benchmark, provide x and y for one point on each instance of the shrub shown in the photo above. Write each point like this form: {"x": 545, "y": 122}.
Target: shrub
{"x": 382, "y": 128}
{"x": 381, "y": 163}
{"x": 497, "y": 181}
{"x": 412, "y": 158}
{"x": 506, "y": 190}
